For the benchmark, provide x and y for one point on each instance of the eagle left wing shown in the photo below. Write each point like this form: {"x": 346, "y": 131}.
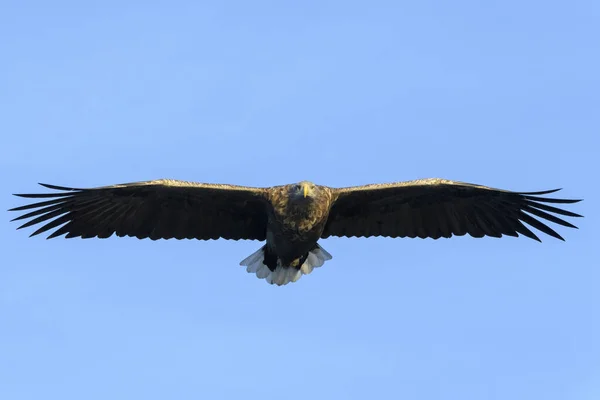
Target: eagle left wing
{"x": 159, "y": 209}
{"x": 434, "y": 208}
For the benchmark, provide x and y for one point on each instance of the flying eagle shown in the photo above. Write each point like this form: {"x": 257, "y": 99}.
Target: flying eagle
{"x": 291, "y": 218}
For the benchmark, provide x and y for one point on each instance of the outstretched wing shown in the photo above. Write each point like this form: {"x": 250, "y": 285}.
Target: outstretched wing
{"x": 434, "y": 208}
{"x": 160, "y": 209}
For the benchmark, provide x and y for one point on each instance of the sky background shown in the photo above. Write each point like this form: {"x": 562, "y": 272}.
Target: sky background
{"x": 262, "y": 93}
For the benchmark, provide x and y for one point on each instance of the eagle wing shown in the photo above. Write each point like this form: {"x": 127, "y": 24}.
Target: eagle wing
{"x": 159, "y": 209}
{"x": 434, "y": 208}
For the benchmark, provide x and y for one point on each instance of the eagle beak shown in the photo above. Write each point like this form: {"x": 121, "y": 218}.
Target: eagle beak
{"x": 305, "y": 190}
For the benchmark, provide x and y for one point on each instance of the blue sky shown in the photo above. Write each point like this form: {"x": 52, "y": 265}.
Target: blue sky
{"x": 263, "y": 93}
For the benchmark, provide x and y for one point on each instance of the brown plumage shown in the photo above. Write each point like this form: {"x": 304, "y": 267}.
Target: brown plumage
{"x": 292, "y": 218}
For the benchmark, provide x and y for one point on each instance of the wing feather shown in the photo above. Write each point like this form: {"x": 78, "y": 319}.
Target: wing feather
{"x": 160, "y": 209}
{"x": 437, "y": 208}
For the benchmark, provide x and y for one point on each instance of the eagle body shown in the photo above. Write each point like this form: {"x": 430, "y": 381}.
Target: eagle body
{"x": 297, "y": 218}
{"x": 292, "y": 219}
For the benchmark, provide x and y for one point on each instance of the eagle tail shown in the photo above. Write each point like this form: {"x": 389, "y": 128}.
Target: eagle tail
{"x": 282, "y": 275}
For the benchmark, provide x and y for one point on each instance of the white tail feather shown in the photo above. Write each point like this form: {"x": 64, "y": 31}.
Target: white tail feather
{"x": 284, "y": 275}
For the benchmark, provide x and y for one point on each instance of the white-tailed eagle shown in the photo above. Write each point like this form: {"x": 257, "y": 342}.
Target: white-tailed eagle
{"x": 292, "y": 218}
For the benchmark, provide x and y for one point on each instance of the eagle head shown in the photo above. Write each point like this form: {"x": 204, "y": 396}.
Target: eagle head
{"x": 303, "y": 191}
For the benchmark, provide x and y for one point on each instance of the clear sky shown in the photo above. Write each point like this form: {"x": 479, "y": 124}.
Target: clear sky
{"x": 261, "y": 93}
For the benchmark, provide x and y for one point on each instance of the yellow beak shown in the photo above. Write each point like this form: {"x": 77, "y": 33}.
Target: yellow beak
{"x": 305, "y": 188}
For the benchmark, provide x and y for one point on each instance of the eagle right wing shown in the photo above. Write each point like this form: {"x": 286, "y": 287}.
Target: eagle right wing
{"x": 159, "y": 209}
{"x": 437, "y": 208}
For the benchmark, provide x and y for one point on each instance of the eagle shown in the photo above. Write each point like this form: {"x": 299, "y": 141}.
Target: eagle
{"x": 291, "y": 219}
